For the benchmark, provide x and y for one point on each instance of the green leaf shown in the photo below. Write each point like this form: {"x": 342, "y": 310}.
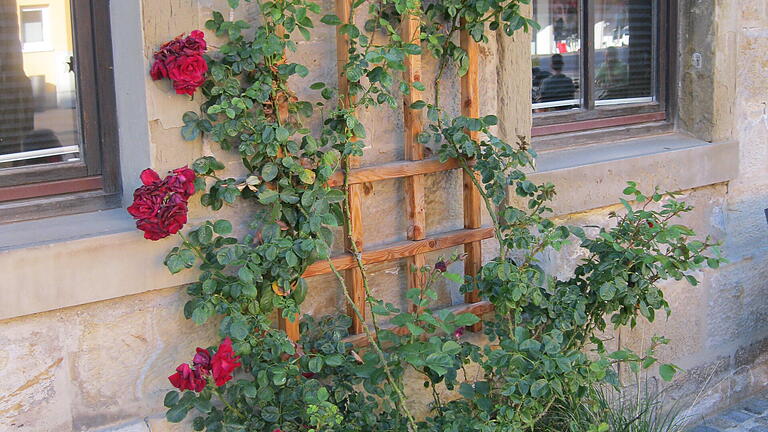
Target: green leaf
{"x": 222, "y": 227}
{"x": 667, "y": 371}
{"x": 171, "y": 399}
{"x": 330, "y": 20}
{"x": 539, "y": 388}
{"x": 454, "y": 277}
{"x": 316, "y": 364}
{"x": 205, "y": 234}
{"x": 307, "y": 176}
{"x": 177, "y": 413}
{"x": 238, "y": 329}
{"x": 282, "y": 134}
{"x": 269, "y": 171}
{"x": 334, "y": 360}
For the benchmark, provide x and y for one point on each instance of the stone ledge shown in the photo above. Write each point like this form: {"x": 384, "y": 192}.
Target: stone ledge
{"x": 66, "y": 261}
{"x": 55, "y": 263}
{"x": 592, "y": 177}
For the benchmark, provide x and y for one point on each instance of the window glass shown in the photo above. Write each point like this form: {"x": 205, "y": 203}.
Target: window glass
{"x": 39, "y": 121}
{"x": 556, "y": 57}
{"x": 32, "y": 25}
{"x": 623, "y": 51}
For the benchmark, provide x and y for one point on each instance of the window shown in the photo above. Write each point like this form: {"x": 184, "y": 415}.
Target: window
{"x": 35, "y": 29}
{"x": 598, "y": 63}
{"x": 57, "y": 121}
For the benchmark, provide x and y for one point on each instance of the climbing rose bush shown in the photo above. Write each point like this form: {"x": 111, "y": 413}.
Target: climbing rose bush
{"x": 181, "y": 60}
{"x": 160, "y": 205}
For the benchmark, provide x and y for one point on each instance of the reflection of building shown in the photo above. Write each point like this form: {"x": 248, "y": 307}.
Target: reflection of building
{"x": 37, "y": 84}
{"x": 47, "y": 47}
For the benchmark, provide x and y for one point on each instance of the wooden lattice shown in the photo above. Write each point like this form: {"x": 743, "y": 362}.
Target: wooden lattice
{"x": 412, "y": 170}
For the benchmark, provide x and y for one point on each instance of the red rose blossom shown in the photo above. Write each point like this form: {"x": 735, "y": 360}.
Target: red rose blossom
{"x": 181, "y": 60}
{"x": 187, "y": 73}
{"x": 187, "y": 379}
{"x": 149, "y": 177}
{"x": 160, "y": 206}
{"x": 441, "y": 266}
{"x": 147, "y": 201}
{"x": 182, "y": 182}
{"x": 224, "y": 362}
{"x": 202, "y": 360}
{"x": 195, "y": 43}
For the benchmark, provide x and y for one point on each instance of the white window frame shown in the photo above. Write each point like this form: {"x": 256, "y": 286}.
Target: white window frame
{"x": 45, "y": 44}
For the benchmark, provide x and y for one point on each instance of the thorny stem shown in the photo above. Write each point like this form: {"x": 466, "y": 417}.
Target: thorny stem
{"x": 373, "y": 341}
{"x": 368, "y": 295}
{"x": 488, "y": 205}
{"x": 227, "y": 404}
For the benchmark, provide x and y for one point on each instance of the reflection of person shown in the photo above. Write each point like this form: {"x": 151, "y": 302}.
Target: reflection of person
{"x": 558, "y": 86}
{"x": 539, "y": 76}
{"x": 612, "y": 77}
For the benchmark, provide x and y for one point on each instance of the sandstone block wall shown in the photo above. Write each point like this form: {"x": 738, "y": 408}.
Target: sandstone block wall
{"x": 103, "y": 365}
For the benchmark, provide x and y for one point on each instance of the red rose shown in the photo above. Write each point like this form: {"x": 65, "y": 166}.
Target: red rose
{"x": 224, "y": 362}
{"x": 441, "y": 266}
{"x": 159, "y": 70}
{"x": 160, "y": 206}
{"x": 187, "y": 379}
{"x": 149, "y": 177}
{"x": 458, "y": 333}
{"x": 152, "y": 228}
{"x": 182, "y": 181}
{"x": 195, "y": 43}
{"x": 181, "y": 61}
{"x": 187, "y": 73}
{"x": 147, "y": 201}
{"x": 202, "y": 360}
{"x": 173, "y": 214}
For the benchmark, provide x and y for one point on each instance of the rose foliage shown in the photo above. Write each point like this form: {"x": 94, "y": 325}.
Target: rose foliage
{"x": 544, "y": 341}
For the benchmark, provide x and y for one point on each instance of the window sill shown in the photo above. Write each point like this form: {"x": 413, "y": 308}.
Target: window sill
{"x": 593, "y": 176}
{"x": 65, "y": 261}
{"x": 72, "y": 260}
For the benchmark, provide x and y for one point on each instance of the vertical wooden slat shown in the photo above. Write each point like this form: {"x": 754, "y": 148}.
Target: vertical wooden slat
{"x": 291, "y": 328}
{"x": 470, "y": 107}
{"x": 353, "y": 278}
{"x": 414, "y": 151}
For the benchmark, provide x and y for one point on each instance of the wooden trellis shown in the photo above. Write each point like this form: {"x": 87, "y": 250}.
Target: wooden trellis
{"x": 413, "y": 170}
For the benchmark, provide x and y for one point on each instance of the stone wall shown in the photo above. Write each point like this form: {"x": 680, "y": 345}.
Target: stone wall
{"x": 103, "y": 365}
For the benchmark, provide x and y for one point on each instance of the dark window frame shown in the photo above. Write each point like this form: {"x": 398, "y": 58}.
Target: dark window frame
{"x": 590, "y": 117}
{"x": 94, "y": 182}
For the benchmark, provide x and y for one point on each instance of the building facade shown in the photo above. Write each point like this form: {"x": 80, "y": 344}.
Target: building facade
{"x": 91, "y": 322}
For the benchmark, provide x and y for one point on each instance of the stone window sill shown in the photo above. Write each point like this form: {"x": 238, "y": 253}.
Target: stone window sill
{"x": 591, "y": 177}
{"x": 72, "y": 260}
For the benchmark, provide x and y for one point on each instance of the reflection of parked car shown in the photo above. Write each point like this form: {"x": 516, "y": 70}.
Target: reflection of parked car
{"x": 16, "y": 101}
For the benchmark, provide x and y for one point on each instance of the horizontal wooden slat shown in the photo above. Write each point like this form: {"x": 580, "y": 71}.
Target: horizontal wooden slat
{"x": 59, "y": 187}
{"x": 479, "y": 309}
{"x": 393, "y": 170}
{"x": 403, "y": 249}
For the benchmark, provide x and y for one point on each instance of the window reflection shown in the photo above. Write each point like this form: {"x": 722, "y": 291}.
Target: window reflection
{"x": 623, "y": 54}
{"x": 38, "y": 116}
{"x": 555, "y": 53}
